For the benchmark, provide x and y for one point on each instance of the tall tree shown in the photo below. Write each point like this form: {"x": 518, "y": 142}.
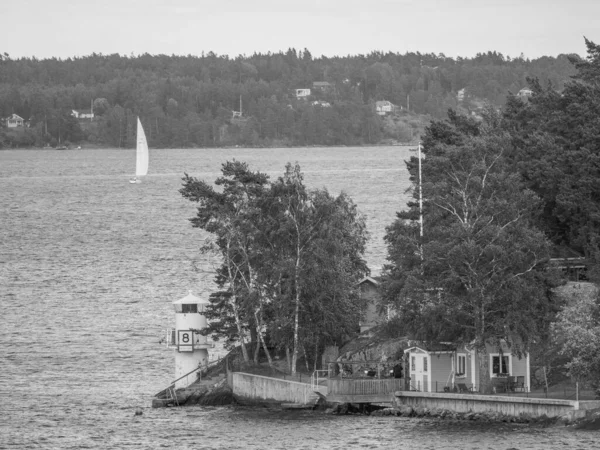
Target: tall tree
{"x": 577, "y": 336}
{"x": 316, "y": 243}
{"x": 230, "y": 216}
{"x": 556, "y": 139}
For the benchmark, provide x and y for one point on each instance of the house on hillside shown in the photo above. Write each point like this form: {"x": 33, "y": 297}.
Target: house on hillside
{"x": 322, "y": 86}
{"x": 14, "y": 121}
{"x": 460, "y": 95}
{"x": 384, "y": 107}
{"x": 448, "y": 368}
{"x": 525, "y": 93}
{"x": 302, "y": 94}
{"x": 321, "y": 103}
{"x": 371, "y": 299}
{"x": 573, "y": 264}
{"x": 81, "y": 114}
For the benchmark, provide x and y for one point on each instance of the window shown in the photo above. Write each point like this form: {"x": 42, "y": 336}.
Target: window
{"x": 189, "y": 308}
{"x": 461, "y": 365}
{"x": 412, "y": 363}
{"x": 500, "y": 365}
{"x": 425, "y": 364}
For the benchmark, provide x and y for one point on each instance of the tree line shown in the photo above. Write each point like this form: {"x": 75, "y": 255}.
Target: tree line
{"x": 188, "y": 101}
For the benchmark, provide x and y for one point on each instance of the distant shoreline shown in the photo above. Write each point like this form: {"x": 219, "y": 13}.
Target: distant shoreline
{"x": 99, "y": 147}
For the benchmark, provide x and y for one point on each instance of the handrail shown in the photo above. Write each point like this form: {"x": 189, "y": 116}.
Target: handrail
{"x": 209, "y": 365}
{"x": 314, "y": 378}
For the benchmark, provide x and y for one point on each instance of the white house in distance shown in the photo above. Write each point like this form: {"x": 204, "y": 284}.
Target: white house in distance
{"x": 321, "y": 103}
{"x": 384, "y": 107}
{"x": 525, "y": 92}
{"x": 14, "y": 121}
{"x": 322, "y": 86}
{"x": 446, "y": 367}
{"x": 302, "y": 93}
{"x": 82, "y": 114}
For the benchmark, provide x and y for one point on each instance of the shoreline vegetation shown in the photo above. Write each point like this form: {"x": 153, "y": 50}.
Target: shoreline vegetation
{"x": 274, "y": 100}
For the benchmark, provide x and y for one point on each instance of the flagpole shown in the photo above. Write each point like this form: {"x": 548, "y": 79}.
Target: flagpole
{"x": 420, "y": 204}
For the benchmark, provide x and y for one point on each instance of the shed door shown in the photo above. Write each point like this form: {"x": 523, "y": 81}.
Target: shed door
{"x": 419, "y": 372}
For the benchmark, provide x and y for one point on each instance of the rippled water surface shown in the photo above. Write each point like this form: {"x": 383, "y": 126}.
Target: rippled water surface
{"x": 89, "y": 265}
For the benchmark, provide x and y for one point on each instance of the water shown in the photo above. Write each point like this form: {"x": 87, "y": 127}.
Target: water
{"x": 89, "y": 265}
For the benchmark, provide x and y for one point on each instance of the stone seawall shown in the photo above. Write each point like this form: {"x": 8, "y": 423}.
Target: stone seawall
{"x": 509, "y": 406}
{"x": 265, "y": 389}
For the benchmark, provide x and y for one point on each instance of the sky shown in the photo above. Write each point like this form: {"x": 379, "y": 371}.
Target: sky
{"x": 69, "y": 28}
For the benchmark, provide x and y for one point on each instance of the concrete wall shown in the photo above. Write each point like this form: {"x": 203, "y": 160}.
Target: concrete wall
{"x": 511, "y": 406}
{"x": 257, "y": 387}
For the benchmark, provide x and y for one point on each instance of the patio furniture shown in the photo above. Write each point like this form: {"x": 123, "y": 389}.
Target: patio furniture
{"x": 462, "y": 387}
{"x": 520, "y": 383}
{"x": 511, "y": 384}
{"x": 500, "y": 384}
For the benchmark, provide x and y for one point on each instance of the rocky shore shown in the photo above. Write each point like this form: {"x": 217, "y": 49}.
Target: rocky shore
{"x": 590, "y": 422}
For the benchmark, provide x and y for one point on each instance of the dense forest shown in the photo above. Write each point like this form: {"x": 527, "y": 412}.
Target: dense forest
{"x": 214, "y": 100}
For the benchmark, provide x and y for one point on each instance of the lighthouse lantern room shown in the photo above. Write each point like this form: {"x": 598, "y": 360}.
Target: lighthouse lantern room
{"x": 192, "y": 347}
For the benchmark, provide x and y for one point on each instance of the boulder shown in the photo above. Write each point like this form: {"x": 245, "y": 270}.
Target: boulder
{"x": 405, "y": 410}
{"x": 419, "y": 411}
{"x": 590, "y": 422}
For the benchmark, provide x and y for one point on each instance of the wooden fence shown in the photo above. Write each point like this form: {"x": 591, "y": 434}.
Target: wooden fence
{"x": 353, "y": 386}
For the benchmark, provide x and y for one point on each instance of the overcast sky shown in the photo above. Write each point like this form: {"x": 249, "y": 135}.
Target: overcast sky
{"x": 66, "y": 28}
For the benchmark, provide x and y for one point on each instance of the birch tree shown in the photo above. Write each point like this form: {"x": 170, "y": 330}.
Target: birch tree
{"x": 231, "y": 217}
{"x": 473, "y": 278}
{"x": 316, "y": 242}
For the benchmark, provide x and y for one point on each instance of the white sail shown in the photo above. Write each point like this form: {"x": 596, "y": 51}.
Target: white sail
{"x": 141, "y": 158}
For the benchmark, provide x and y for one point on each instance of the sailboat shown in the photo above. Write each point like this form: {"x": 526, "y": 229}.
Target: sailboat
{"x": 141, "y": 154}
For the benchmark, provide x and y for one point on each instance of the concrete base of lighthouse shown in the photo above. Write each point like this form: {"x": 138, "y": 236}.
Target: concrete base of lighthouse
{"x": 186, "y": 362}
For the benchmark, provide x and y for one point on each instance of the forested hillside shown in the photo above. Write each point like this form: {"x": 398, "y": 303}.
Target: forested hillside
{"x": 189, "y": 101}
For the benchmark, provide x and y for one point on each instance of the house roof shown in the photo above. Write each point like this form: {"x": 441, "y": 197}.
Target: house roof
{"x": 563, "y": 256}
{"x": 14, "y": 117}
{"x": 436, "y": 347}
{"x": 321, "y": 83}
{"x": 369, "y": 280}
{"x": 562, "y": 251}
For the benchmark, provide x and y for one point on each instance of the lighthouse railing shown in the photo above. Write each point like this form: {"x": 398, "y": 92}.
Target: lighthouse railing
{"x": 199, "y": 375}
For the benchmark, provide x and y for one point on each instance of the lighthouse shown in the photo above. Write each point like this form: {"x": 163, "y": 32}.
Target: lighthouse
{"x": 191, "y": 347}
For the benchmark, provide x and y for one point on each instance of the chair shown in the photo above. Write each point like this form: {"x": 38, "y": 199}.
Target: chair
{"x": 462, "y": 387}
{"x": 520, "y": 383}
{"x": 511, "y": 383}
{"x": 499, "y": 385}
